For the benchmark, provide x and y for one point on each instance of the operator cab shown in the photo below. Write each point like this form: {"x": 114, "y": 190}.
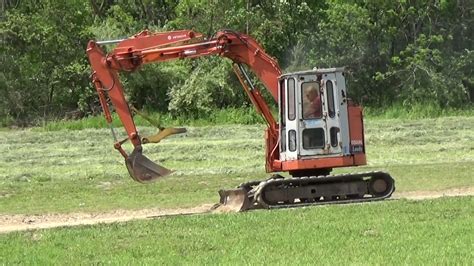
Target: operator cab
{"x": 314, "y": 116}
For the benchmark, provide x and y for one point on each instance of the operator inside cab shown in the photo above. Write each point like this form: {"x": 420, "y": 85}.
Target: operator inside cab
{"x": 311, "y": 100}
{"x": 313, "y": 138}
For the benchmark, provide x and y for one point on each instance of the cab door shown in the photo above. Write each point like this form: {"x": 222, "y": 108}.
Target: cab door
{"x": 311, "y": 116}
{"x": 319, "y": 117}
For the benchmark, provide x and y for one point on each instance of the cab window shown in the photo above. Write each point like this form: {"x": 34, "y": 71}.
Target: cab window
{"x": 310, "y": 92}
{"x": 330, "y": 95}
{"x": 282, "y": 102}
{"x": 313, "y": 138}
{"x": 291, "y": 99}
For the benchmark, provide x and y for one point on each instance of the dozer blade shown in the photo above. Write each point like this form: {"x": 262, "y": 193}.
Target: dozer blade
{"x": 142, "y": 169}
{"x": 234, "y": 200}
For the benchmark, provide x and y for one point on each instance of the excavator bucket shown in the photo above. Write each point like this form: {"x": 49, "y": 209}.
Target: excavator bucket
{"x": 234, "y": 200}
{"x": 142, "y": 169}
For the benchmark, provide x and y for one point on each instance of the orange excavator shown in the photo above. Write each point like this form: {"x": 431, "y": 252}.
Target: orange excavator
{"x": 318, "y": 127}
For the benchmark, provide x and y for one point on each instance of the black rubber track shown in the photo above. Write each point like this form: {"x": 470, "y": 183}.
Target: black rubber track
{"x": 257, "y": 189}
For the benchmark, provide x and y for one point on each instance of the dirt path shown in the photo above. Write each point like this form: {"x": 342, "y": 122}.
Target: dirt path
{"x": 19, "y": 222}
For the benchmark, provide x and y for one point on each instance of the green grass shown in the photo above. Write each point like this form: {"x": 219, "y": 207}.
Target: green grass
{"x": 243, "y": 116}
{"x": 78, "y": 170}
{"x": 417, "y": 111}
{"x": 431, "y": 232}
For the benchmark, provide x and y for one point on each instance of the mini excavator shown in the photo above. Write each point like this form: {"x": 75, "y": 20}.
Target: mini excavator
{"x": 318, "y": 127}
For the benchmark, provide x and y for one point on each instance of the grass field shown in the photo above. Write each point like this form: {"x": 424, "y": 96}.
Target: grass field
{"x": 78, "y": 170}
{"x": 433, "y": 232}
{"x": 243, "y": 115}
{"x": 46, "y": 170}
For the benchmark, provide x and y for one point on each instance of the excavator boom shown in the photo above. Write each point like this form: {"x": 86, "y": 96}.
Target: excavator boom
{"x": 146, "y": 47}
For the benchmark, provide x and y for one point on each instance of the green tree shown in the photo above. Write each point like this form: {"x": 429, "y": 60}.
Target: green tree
{"x": 44, "y": 68}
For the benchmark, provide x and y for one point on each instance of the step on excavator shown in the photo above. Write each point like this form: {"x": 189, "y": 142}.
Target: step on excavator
{"x": 318, "y": 127}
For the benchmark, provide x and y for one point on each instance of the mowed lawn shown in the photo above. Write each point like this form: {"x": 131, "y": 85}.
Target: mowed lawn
{"x": 392, "y": 232}
{"x": 78, "y": 170}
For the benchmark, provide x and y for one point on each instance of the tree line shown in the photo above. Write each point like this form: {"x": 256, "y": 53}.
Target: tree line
{"x": 396, "y": 52}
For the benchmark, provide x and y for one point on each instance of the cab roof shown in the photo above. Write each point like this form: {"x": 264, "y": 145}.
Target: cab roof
{"x": 315, "y": 71}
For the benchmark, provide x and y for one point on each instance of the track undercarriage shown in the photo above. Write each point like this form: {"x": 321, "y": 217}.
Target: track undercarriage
{"x": 280, "y": 192}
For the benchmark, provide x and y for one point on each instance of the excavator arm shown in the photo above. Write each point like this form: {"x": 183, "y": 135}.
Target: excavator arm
{"x": 146, "y": 47}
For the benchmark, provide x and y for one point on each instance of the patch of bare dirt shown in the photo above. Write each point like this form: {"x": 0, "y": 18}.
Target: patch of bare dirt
{"x": 20, "y": 222}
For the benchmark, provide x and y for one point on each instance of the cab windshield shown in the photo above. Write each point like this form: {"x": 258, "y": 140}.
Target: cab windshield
{"x": 310, "y": 92}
